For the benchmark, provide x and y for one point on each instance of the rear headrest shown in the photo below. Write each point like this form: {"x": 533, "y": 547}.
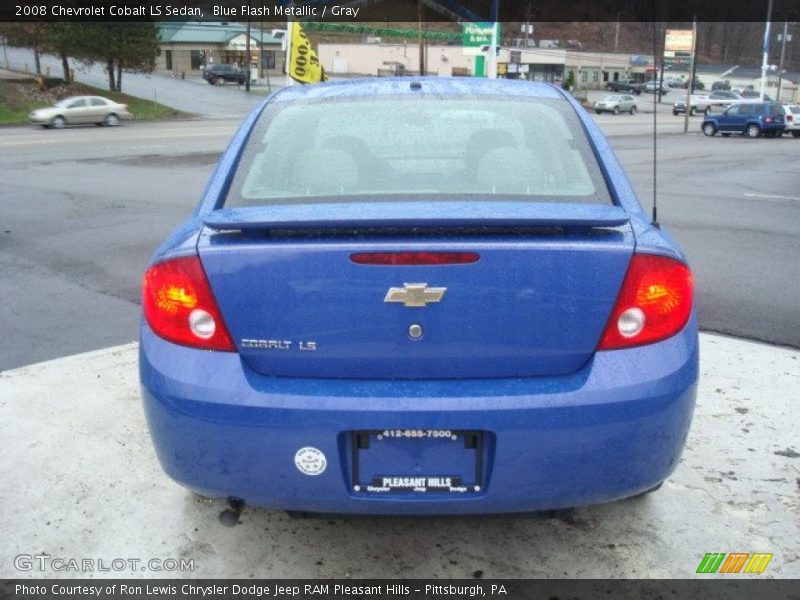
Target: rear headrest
{"x": 324, "y": 172}
{"x": 483, "y": 141}
{"x": 510, "y": 171}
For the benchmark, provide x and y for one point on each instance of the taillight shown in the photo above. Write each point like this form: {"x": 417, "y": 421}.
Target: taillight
{"x": 789, "y": 118}
{"x": 654, "y": 303}
{"x": 414, "y": 258}
{"x": 180, "y": 307}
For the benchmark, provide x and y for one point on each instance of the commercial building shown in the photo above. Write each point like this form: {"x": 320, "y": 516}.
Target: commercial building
{"x": 591, "y": 69}
{"x": 187, "y": 47}
{"x": 740, "y": 78}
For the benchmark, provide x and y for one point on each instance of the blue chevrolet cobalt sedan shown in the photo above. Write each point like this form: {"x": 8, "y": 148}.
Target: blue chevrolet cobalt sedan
{"x": 419, "y": 296}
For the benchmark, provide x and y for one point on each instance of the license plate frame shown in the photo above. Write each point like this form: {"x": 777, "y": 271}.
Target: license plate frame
{"x": 410, "y": 447}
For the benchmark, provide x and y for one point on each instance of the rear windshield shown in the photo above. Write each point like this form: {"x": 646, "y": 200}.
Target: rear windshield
{"x": 418, "y": 148}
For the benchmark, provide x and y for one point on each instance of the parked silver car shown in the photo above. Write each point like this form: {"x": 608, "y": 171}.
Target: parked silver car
{"x": 81, "y": 109}
{"x": 652, "y": 87}
{"x": 700, "y": 103}
{"x": 616, "y": 103}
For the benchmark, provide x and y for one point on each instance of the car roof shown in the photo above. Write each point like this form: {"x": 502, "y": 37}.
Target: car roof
{"x": 438, "y": 86}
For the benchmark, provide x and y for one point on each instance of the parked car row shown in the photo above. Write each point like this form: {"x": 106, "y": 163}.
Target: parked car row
{"x": 630, "y": 86}
{"x": 703, "y": 103}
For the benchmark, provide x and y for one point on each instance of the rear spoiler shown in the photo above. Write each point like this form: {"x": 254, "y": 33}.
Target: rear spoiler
{"x": 415, "y": 214}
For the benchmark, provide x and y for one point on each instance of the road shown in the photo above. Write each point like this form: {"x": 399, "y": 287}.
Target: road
{"x": 202, "y": 99}
{"x": 83, "y": 209}
{"x": 232, "y": 102}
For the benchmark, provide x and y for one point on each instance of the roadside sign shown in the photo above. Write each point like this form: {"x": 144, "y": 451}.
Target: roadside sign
{"x": 516, "y": 56}
{"x": 478, "y": 34}
{"x": 674, "y": 59}
{"x": 678, "y": 44}
{"x": 678, "y": 40}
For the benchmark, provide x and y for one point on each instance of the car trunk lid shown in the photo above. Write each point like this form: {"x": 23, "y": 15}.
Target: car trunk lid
{"x": 534, "y": 302}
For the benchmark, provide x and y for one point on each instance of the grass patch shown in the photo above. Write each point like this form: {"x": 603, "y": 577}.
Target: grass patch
{"x": 17, "y": 99}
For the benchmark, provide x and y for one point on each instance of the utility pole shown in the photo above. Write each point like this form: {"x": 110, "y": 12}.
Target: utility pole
{"x": 288, "y": 47}
{"x": 765, "y": 55}
{"x": 491, "y": 71}
{"x": 5, "y": 52}
{"x": 780, "y": 64}
{"x": 616, "y": 33}
{"x": 660, "y": 78}
{"x": 690, "y": 86}
{"x": 527, "y": 22}
{"x": 247, "y": 53}
{"x": 421, "y": 40}
{"x": 261, "y": 48}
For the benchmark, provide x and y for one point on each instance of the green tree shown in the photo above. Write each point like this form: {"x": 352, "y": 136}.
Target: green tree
{"x": 63, "y": 39}
{"x": 569, "y": 82}
{"x": 28, "y": 35}
{"x": 131, "y": 47}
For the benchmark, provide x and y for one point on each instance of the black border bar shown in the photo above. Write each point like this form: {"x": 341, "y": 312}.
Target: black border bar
{"x": 385, "y": 11}
{"x": 733, "y": 587}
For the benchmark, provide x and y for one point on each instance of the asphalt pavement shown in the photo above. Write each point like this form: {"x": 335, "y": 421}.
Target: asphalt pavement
{"x": 84, "y": 208}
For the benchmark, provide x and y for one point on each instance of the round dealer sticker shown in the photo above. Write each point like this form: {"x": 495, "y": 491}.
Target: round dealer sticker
{"x": 310, "y": 461}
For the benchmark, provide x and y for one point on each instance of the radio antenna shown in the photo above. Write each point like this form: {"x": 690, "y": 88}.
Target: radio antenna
{"x": 656, "y": 95}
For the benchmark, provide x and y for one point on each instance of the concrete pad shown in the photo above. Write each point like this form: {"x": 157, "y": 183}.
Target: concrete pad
{"x": 80, "y": 480}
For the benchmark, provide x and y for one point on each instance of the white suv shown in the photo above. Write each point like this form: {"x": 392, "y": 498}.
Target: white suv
{"x": 792, "y": 119}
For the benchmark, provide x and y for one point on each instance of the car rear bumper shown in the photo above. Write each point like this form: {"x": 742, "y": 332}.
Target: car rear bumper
{"x": 611, "y": 430}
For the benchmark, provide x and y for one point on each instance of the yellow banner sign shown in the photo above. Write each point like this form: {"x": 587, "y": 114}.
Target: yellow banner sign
{"x": 304, "y": 65}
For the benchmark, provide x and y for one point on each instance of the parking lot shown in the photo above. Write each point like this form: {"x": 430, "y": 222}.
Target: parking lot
{"x": 83, "y": 210}
{"x": 87, "y": 255}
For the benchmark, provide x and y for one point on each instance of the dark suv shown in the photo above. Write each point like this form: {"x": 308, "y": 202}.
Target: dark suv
{"x": 624, "y": 85}
{"x": 749, "y": 118}
{"x": 218, "y": 74}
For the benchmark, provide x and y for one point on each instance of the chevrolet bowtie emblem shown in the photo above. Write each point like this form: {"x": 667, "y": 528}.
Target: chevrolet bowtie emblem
{"x": 415, "y": 295}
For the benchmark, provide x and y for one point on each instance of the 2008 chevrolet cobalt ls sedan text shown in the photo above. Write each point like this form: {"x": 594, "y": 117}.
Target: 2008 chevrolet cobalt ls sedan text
{"x": 419, "y": 296}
